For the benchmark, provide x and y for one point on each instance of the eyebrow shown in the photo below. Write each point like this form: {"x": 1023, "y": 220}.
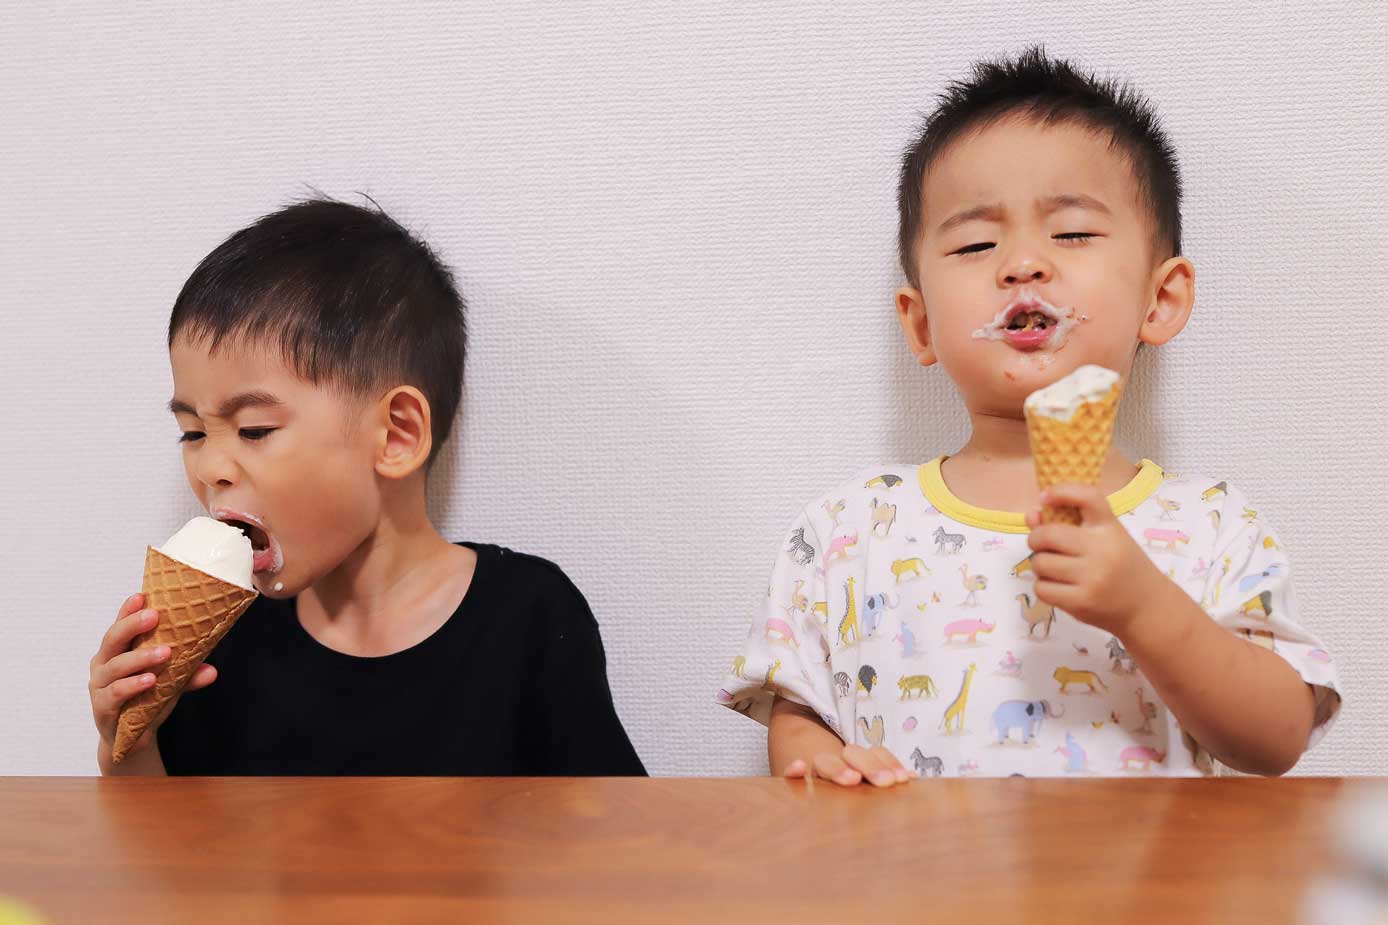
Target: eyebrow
{"x": 994, "y": 211}
{"x": 231, "y": 405}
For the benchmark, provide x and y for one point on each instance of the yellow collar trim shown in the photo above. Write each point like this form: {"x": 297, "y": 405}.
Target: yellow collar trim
{"x": 1147, "y": 481}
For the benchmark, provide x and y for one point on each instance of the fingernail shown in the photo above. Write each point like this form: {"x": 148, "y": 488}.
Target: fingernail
{"x": 848, "y": 777}
{"x": 902, "y": 774}
{"x": 146, "y": 680}
{"x": 160, "y": 653}
{"x": 884, "y": 778}
{"x": 149, "y": 616}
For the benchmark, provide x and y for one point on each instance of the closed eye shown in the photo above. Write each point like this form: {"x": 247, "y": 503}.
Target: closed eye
{"x": 1068, "y": 236}
{"x": 247, "y": 433}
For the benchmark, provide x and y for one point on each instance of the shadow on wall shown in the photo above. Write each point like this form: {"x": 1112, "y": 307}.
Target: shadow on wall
{"x": 580, "y": 462}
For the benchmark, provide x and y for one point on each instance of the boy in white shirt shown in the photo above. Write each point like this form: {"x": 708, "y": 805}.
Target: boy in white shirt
{"x": 920, "y": 619}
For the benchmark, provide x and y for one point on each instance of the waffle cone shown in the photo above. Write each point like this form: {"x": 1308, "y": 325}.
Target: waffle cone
{"x": 195, "y": 612}
{"x": 1073, "y": 450}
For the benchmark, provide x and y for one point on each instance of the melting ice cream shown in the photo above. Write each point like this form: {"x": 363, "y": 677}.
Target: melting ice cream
{"x": 1062, "y": 399}
{"x": 218, "y": 549}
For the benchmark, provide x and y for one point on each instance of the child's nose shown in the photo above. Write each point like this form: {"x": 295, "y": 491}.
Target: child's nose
{"x": 215, "y": 468}
{"x": 1025, "y": 270}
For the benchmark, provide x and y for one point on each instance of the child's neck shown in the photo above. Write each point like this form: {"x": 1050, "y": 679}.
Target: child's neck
{"x": 393, "y": 591}
{"x": 995, "y": 470}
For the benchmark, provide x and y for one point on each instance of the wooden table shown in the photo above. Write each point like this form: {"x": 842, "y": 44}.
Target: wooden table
{"x": 610, "y": 850}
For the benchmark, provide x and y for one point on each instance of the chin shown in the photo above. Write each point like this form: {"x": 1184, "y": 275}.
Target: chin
{"x": 1031, "y": 372}
{"x": 265, "y": 584}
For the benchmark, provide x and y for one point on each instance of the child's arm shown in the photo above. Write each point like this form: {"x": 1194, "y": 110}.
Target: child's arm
{"x": 1247, "y": 706}
{"x": 798, "y": 743}
{"x": 773, "y": 679}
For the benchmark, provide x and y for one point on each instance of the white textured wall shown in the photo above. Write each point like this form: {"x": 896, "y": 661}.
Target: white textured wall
{"x": 674, "y": 224}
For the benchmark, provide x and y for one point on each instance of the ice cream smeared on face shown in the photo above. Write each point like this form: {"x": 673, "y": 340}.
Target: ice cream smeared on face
{"x": 1062, "y": 399}
{"x": 218, "y": 549}
{"x": 1040, "y": 314}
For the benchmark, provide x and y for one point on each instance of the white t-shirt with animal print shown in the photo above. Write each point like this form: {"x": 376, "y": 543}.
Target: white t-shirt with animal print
{"x": 905, "y": 617}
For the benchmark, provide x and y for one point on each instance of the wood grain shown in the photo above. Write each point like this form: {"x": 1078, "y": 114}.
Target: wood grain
{"x": 615, "y": 850}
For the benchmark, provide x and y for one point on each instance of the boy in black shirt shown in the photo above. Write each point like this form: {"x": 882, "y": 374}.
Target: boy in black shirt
{"x": 317, "y": 362}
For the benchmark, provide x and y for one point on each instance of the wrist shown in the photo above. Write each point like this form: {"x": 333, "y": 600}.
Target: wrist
{"x": 144, "y": 761}
{"x": 1163, "y": 620}
{"x": 104, "y": 762}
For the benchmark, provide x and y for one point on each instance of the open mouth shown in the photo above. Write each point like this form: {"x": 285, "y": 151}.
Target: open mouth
{"x": 1030, "y": 321}
{"x": 260, "y": 540}
{"x": 266, "y": 551}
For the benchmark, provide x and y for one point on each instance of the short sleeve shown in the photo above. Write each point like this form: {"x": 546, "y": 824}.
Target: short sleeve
{"x": 786, "y": 653}
{"x": 574, "y": 729}
{"x": 1248, "y": 590}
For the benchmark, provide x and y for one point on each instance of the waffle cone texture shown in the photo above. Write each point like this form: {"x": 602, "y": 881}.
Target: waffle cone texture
{"x": 195, "y": 611}
{"x": 1073, "y": 450}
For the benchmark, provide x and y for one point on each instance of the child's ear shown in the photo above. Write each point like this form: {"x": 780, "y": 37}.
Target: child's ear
{"x": 910, "y": 308}
{"x": 1173, "y": 297}
{"x": 406, "y": 437}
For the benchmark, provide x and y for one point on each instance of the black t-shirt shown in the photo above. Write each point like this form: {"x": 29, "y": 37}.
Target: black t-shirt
{"x": 514, "y": 683}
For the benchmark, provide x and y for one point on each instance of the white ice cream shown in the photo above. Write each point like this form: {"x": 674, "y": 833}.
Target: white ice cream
{"x": 213, "y": 547}
{"x": 1060, "y": 400}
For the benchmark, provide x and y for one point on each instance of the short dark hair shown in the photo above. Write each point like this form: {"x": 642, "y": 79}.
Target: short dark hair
{"x": 1050, "y": 91}
{"x": 349, "y": 296}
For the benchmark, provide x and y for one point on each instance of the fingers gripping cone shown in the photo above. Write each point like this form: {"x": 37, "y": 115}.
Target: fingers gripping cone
{"x": 195, "y": 611}
{"x": 1070, "y": 427}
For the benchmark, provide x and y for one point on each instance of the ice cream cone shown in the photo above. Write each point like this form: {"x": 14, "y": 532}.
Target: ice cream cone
{"x": 195, "y": 611}
{"x": 1072, "y": 450}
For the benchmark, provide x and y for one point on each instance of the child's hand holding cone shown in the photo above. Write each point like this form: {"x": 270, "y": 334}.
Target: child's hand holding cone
{"x": 196, "y": 586}
{"x": 1094, "y": 571}
{"x": 119, "y": 673}
{"x": 1085, "y": 562}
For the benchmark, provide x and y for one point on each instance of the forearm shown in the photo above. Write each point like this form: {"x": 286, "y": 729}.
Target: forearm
{"x": 144, "y": 763}
{"x": 1243, "y": 703}
{"x": 796, "y": 733}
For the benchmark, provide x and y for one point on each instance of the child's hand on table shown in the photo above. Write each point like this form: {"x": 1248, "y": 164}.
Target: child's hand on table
{"x": 852, "y": 765}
